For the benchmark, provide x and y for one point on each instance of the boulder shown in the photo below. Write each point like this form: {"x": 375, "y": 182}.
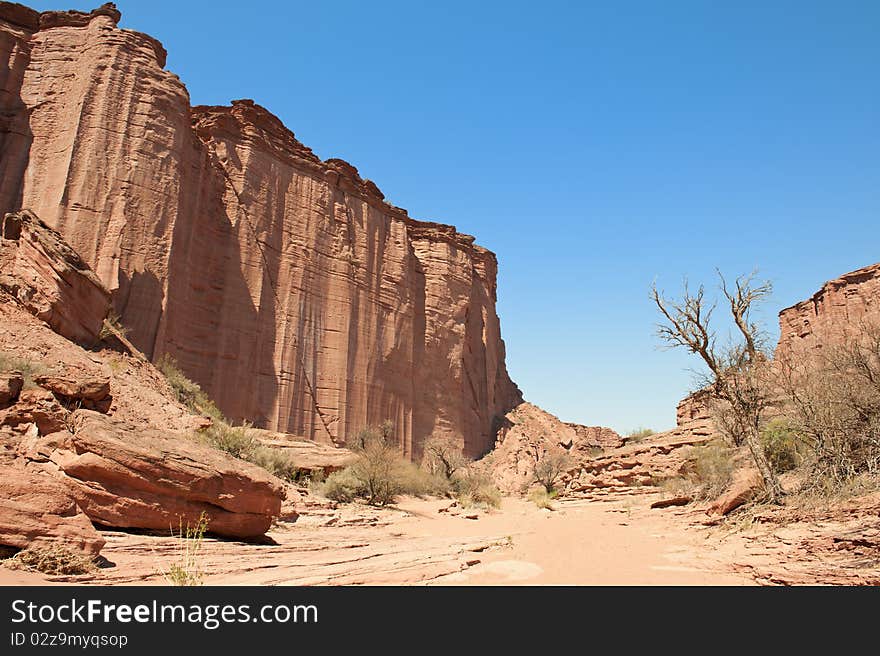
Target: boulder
{"x": 682, "y": 500}
{"x": 76, "y": 385}
{"x": 128, "y": 477}
{"x": 36, "y": 509}
{"x": 307, "y": 455}
{"x": 51, "y": 280}
{"x": 36, "y": 406}
{"x": 10, "y": 387}
{"x": 745, "y": 485}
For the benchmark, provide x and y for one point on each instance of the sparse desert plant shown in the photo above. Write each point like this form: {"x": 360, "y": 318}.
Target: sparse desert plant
{"x": 235, "y": 440}
{"x": 53, "y": 559}
{"x": 638, "y": 434}
{"x": 550, "y": 466}
{"x": 187, "y": 570}
{"x": 276, "y": 462}
{"x": 711, "y": 469}
{"x": 188, "y": 392}
{"x": 239, "y": 442}
{"x": 378, "y": 465}
{"x": 780, "y": 443}
{"x": 342, "y": 486}
{"x": 444, "y": 456}
{"x": 112, "y": 326}
{"x": 542, "y": 498}
{"x": 474, "y": 489}
{"x": 25, "y": 366}
{"x": 736, "y": 381}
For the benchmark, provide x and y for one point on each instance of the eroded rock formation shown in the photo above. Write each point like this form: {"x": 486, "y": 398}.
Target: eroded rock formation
{"x": 49, "y": 278}
{"x": 284, "y": 285}
{"x": 837, "y": 310}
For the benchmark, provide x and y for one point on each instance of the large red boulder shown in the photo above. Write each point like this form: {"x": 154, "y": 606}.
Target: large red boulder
{"x": 129, "y": 477}
{"x": 37, "y": 510}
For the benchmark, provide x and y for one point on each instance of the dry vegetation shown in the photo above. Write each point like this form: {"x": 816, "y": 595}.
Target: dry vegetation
{"x": 53, "y": 559}
{"x": 379, "y": 474}
{"x": 816, "y": 416}
{"x": 27, "y": 368}
{"x": 187, "y": 570}
{"x": 237, "y": 441}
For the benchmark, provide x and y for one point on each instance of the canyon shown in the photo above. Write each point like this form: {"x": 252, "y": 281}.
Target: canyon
{"x": 284, "y": 285}
{"x": 136, "y": 226}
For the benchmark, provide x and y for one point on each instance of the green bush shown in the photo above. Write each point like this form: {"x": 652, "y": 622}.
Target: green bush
{"x": 239, "y": 442}
{"x": 343, "y": 486}
{"x": 780, "y": 445}
{"x": 379, "y": 474}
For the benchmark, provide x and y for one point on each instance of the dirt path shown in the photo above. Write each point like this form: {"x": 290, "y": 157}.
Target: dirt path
{"x": 580, "y": 543}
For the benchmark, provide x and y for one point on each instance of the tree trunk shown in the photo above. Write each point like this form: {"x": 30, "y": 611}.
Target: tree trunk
{"x": 768, "y": 476}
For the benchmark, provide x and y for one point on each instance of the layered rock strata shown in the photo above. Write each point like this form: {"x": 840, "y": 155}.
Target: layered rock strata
{"x": 286, "y": 286}
{"x": 834, "y": 313}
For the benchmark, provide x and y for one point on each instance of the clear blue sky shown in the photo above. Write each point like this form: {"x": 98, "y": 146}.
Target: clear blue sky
{"x": 594, "y": 146}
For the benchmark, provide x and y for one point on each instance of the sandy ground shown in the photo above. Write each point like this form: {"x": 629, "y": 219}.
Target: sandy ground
{"x": 582, "y": 542}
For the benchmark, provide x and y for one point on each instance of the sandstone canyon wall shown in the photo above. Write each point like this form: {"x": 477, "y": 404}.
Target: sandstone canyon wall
{"x": 838, "y": 309}
{"x": 284, "y": 285}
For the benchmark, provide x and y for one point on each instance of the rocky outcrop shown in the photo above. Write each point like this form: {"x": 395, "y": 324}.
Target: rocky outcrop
{"x": 43, "y": 273}
{"x": 310, "y": 458}
{"x": 597, "y": 436}
{"x": 229, "y": 245}
{"x": 526, "y": 434}
{"x": 37, "y": 511}
{"x": 129, "y": 477}
{"x": 140, "y": 467}
{"x": 746, "y": 484}
{"x": 836, "y": 311}
{"x": 10, "y": 387}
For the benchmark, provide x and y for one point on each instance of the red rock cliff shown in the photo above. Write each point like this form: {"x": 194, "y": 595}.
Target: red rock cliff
{"x": 285, "y": 285}
{"x": 839, "y": 307}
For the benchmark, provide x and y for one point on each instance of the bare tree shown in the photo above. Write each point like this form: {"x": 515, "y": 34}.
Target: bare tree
{"x": 444, "y": 456}
{"x": 737, "y": 379}
{"x": 550, "y": 466}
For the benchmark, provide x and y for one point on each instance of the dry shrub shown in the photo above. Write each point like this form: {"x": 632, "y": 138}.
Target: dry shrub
{"x": 53, "y": 559}
{"x": 379, "y": 474}
{"x": 639, "y": 434}
{"x": 833, "y": 407}
{"x": 542, "y": 498}
{"x": 27, "y": 368}
{"x": 239, "y": 442}
{"x": 188, "y": 392}
{"x": 473, "y": 488}
{"x": 443, "y": 456}
{"x": 710, "y": 468}
{"x": 550, "y": 466}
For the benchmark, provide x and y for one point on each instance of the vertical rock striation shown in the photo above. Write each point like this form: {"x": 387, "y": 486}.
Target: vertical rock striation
{"x": 840, "y": 307}
{"x": 285, "y": 285}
